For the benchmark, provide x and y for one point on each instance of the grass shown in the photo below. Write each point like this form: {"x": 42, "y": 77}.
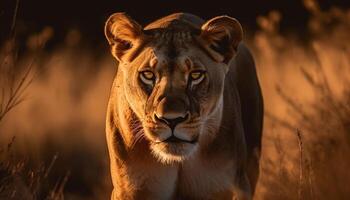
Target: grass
{"x": 307, "y": 128}
{"x": 18, "y": 180}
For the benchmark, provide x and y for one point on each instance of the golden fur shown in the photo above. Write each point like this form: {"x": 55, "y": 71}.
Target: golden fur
{"x": 169, "y": 134}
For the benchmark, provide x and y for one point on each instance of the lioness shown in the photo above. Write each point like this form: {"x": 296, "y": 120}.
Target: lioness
{"x": 185, "y": 113}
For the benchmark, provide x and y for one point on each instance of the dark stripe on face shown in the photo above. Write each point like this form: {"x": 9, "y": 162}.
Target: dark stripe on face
{"x": 201, "y": 47}
{"x": 172, "y": 48}
{"x": 150, "y": 101}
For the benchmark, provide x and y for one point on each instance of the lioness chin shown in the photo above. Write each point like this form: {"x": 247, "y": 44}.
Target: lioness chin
{"x": 185, "y": 113}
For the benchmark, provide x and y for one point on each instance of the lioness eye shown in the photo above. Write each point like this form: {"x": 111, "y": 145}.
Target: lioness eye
{"x": 147, "y": 77}
{"x": 197, "y": 76}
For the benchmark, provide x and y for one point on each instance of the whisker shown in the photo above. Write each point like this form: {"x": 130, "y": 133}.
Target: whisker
{"x": 139, "y": 134}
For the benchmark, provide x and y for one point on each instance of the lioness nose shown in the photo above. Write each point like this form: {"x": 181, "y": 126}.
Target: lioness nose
{"x": 171, "y": 122}
{"x": 171, "y": 112}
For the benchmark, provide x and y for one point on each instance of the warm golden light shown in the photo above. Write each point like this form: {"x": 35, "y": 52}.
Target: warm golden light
{"x": 305, "y": 83}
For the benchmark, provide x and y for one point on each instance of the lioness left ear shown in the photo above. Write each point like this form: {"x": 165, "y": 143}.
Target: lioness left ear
{"x": 221, "y": 36}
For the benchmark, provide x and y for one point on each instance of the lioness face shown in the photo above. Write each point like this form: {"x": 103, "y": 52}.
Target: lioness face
{"x": 173, "y": 96}
{"x": 173, "y": 78}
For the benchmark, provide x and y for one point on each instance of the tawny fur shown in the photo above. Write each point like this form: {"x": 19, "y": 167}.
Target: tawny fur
{"x": 224, "y": 163}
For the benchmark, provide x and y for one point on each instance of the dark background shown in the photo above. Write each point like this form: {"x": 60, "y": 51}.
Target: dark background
{"x": 89, "y": 16}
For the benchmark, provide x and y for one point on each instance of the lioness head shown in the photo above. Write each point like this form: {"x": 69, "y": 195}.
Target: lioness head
{"x": 173, "y": 76}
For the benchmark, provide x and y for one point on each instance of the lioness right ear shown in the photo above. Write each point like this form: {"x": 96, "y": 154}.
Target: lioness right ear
{"x": 122, "y": 33}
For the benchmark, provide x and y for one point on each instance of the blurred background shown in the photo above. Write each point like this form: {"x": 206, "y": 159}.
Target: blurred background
{"x": 89, "y": 16}
{"x": 56, "y": 72}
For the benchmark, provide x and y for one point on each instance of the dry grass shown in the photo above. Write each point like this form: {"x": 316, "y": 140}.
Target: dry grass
{"x": 305, "y": 85}
{"x": 59, "y": 129}
{"x": 18, "y": 179}
{"x": 61, "y": 121}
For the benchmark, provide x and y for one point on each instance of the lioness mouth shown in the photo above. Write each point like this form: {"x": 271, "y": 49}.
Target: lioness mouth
{"x": 174, "y": 139}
